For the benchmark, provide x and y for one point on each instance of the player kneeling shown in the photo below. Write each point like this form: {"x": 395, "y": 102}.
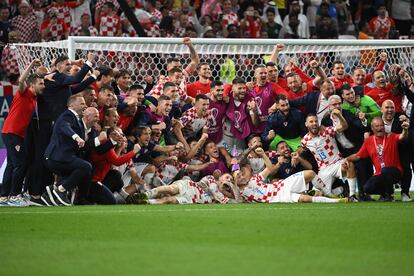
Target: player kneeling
{"x": 186, "y": 191}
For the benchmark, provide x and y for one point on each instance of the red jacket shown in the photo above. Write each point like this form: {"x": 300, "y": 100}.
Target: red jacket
{"x": 103, "y": 162}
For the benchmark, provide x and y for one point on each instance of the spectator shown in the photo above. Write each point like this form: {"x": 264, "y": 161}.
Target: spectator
{"x": 401, "y": 13}
{"x": 85, "y": 28}
{"x": 382, "y": 24}
{"x": 273, "y": 24}
{"x": 251, "y": 23}
{"x": 109, "y": 23}
{"x": 9, "y": 59}
{"x": 25, "y": 24}
{"x": 53, "y": 29}
{"x": 5, "y": 24}
{"x": 326, "y": 28}
{"x": 295, "y": 24}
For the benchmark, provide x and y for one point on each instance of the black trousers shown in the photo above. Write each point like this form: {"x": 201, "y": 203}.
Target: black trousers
{"x": 384, "y": 183}
{"x": 74, "y": 173}
{"x": 36, "y": 141}
{"x": 15, "y": 171}
{"x": 100, "y": 194}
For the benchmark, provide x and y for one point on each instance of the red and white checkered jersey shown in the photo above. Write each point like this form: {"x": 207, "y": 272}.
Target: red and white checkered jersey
{"x": 167, "y": 172}
{"x": 63, "y": 12}
{"x": 257, "y": 190}
{"x": 109, "y": 25}
{"x": 9, "y": 62}
{"x": 27, "y": 27}
{"x": 192, "y": 123}
{"x": 157, "y": 15}
{"x": 209, "y": 183}
{"x": 230, "y": 18}
{"x": 56, "y": 31}
{"x": 179, "y": 32}
{"x": 323, "y": 147}
{"x": 195, "y": 192}
{"x": 100, "y": 3}
{"x": 157, "y": 90}
{"x": 78, "y": 31}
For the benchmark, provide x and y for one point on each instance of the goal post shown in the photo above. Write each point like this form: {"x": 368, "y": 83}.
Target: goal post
{"x": 228, "y": 57}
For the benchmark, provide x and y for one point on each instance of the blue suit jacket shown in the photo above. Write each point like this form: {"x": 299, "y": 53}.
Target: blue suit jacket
{"x": 62, "y": 147}
{"x": 309, "y": 101}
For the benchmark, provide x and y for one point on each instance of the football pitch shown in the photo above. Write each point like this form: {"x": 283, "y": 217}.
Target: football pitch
{"x": 244, "y": 239}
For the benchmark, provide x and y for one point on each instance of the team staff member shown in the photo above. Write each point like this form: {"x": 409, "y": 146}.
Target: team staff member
{"x": 382, "y": 149}
{"x": 13, "y": 133}
{"x": 52, "y": 102}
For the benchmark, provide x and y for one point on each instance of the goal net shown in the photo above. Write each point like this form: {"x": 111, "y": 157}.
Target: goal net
{"x": 228, "y": 57}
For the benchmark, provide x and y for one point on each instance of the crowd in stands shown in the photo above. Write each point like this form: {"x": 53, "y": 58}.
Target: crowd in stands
{"x": 45, "y": 20}
{"x": 77, "y": 134}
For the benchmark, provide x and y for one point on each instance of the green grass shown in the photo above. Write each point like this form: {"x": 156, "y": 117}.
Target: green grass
{"x": 306, "y": 239}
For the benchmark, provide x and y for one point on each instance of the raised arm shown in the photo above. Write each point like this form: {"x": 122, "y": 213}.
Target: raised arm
{"x": 195, "y": 60}
{"x": 25, "y": 74}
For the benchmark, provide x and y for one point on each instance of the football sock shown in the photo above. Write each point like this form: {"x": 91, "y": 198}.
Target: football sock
{"x": 151, "y": 194}
{"x": 322, "y": 199}
{"x": 123, "y": 193}
{"x": 148, "y": 178}
{"x": 352, "y": 186}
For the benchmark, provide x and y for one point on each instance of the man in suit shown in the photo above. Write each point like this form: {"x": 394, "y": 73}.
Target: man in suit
{"x": 63, "y": 154}
{"x": 58, "y": 88}
{"x": 350, "y": 140}
{"x": 316, "y": 102}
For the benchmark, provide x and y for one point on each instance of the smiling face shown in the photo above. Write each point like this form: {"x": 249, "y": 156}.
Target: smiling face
{"x": 359, "y": 76}
{"x": 379, "y": 79}
{"x": 338, "y": 71}
{"x": 283, "y": 149}
{"x": 211, "y": 150}
{"x": 261, "y": 76}
{"x": 312, "y": 124}
{"x": 377, "y": 126}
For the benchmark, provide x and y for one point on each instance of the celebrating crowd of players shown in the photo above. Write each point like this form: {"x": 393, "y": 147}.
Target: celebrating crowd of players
{"x": 77, "y": 134}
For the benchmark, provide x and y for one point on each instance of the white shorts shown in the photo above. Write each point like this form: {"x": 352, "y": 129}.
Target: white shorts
{"x": 185, "y": 192}
{"x": 139, "y": 167}
{"x": 329, "y": 173}
{"x": 293, "y": 186}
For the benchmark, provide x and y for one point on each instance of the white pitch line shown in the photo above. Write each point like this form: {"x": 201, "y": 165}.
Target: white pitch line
{"x": 67, "y": 211}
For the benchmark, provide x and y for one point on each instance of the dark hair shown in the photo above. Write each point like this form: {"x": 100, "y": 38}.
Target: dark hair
{"x": 105, "y": 71}
{"x": 60, "y": 59}
{"x": 164, "y": 98}
{"x": 258, "y": 66}
{"x": 337, "y": 62}
{"x": 141, "y": 129}
{"x": 270, "y": 63}
{"x": 201, "y": 97}
{"x": 208, "y": 141}
{"x": 122, "y": 72}
{"x": 346, "y": 86}
{"x": 310, "y": 115}
{"x": 238, "y": 81}
{"x": 292, "y": 74}
{"x": 271, "y": 10}
{"x": 135, "y": 87}
{"x": 109, "y": 5}
{"x": 280, "y": 97}
{"x": 216, "y": 83}
{"x": 172, "y": 59}
{"x": 167, "y": 85}
{"x": 106, "y": 87}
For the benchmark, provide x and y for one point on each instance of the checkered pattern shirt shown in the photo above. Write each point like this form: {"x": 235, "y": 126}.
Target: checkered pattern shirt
{"x": 258, "y": 190}
{"x": 77, "y": 31}
{"x": 100, "y": 3}
{"x": 109, "y": 25}
{"x": 182, "y": 88}
{"x": 27, "y": 28}
{"x": 166, "y": 172}
{"x": 179, "y": 32}
{"x": 230, "y": 18}
{"x": 192, "y": 123}
{"x": 196, "y": 190}
{"x": 63, "y": 12}
{"x": 323, "y": 147}
{"x": 9, "y": 62}
{"x": 56, "y": 31}
{"x": 154, "y": 31}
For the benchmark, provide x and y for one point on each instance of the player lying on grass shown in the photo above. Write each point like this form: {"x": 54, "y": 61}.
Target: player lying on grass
{"x": 186, "y": 191}
{"x": 256, "y": 188}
